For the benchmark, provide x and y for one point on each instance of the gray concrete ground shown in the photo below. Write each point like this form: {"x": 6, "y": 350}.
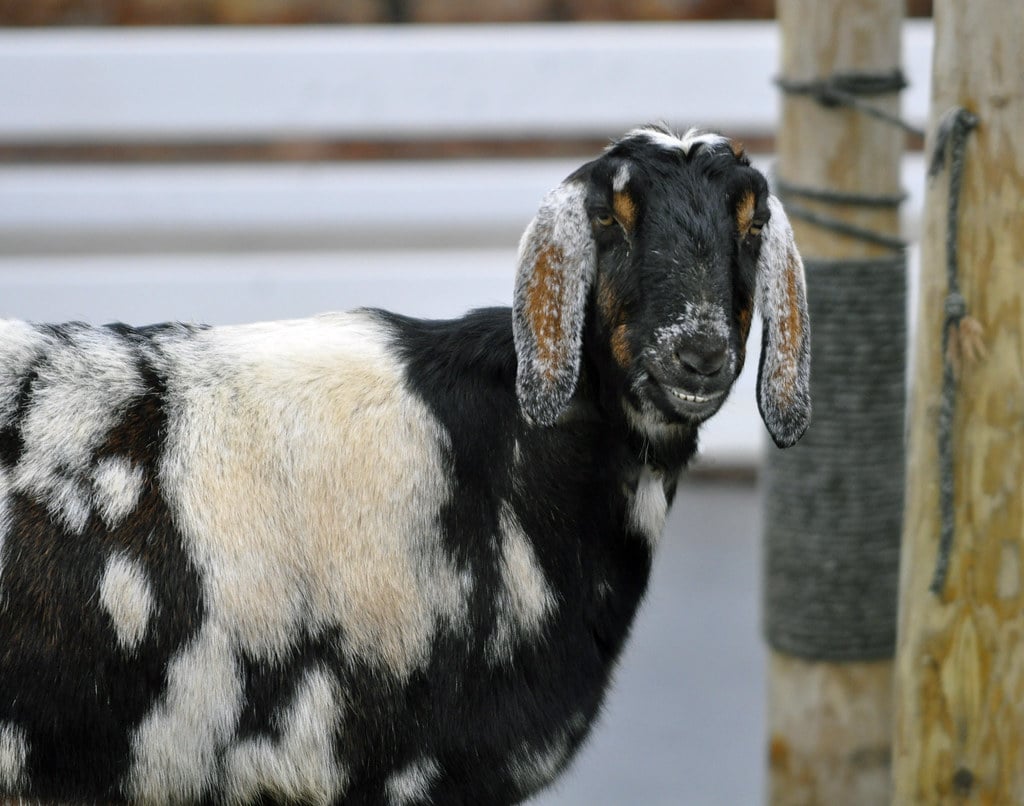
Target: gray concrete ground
{"x": 684, "y": 721}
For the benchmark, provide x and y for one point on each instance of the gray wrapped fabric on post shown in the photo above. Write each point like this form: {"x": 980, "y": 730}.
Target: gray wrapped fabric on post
{"x": 834, "y": 503}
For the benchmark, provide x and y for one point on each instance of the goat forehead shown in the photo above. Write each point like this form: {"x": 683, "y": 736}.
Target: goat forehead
{"x": 697, "y": 196}
{"x": 679, "y": 203}
{"x": 695, "y": 244}
{"x": 697, "y": 236}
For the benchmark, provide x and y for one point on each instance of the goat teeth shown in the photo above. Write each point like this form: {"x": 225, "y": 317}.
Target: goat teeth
{"x": 689, "y": 398}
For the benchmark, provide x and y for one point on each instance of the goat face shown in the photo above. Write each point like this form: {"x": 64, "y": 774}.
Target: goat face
{"x": 659, "y": 251}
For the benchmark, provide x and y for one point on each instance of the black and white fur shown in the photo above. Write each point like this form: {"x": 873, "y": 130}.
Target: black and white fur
{"x": 362, "y": 558}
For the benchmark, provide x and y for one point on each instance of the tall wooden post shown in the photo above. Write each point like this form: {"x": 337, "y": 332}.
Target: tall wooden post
{"x": 830, "y": 721}
{"x": 960, "y": 661}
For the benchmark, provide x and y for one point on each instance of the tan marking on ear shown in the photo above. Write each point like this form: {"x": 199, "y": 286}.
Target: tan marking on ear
{"x": 737, "y": 149}
{"x": 745, "y": 212}
{"x": 625, "y": 209}
{"x": 544, "y": 305}
{"x": 790, "y": 336}
{"x": 796, "y": 327}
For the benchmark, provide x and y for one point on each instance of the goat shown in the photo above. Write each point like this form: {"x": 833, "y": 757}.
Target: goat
{"x": 363, "y": 558}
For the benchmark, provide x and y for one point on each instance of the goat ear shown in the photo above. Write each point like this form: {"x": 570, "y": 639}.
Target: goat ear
{"x": 557, "y": 256}
{"x": 783, "y": 381}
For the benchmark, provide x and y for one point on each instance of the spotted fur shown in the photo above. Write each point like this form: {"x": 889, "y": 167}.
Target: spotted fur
{"x": 783, "y": 392}
{"x": 363, "y": 558}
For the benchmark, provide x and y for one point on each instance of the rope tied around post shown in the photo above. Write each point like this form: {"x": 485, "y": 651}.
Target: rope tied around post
{"x": 882, "y": 201}
{"x": 835, "y": 502}
{"x": 961, "y": 334}
{"x": 845, "y": 89}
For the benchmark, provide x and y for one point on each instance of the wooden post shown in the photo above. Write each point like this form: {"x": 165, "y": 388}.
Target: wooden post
{"x": 830, "y": 723}
{"x": 960, "y": 661}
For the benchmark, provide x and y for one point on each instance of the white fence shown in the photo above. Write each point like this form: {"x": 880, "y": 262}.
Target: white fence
{"x": 233, "y": 242}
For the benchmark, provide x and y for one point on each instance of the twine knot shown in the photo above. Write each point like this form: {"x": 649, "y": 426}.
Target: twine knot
{"x": 956, "y": 307}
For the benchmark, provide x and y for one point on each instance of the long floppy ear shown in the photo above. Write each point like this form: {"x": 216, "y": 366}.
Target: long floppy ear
{"x": 557, "y": 257}
{"x": 783, "y": 380}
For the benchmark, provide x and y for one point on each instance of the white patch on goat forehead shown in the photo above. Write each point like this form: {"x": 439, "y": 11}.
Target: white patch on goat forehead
{"x": 300, "y": 767}
{"x": 13, "y": 755}
{"x": 694, "y": 137}
{"x": 412, "y": 783}
{"x": 684, "y": 143}
{"x": 126, "y": 595}
{"x": 621, "y": 178}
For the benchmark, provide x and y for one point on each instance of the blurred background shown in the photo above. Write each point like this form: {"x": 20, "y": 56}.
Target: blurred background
{"x": 235, "y": 160}
{"x": 314, "y": 12}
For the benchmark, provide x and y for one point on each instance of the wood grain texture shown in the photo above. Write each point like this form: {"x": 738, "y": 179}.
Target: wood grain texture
{"x": 829, "y": 723}
{"x": 830, "y": 741}
{"x": 960, "y": 660}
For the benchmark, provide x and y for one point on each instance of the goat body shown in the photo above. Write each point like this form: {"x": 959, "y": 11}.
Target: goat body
{"x": 358, "y": 558}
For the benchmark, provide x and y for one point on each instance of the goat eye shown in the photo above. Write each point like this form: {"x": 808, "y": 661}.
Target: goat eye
{"x": 755, "y": 227}
{"x": 604, "y": 219}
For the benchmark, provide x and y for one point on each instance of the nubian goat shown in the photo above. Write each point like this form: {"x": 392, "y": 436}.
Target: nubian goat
{"x": 362, "y": 558}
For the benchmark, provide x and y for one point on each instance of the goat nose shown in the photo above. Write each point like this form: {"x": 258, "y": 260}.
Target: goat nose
{"x": 706, "y": 362}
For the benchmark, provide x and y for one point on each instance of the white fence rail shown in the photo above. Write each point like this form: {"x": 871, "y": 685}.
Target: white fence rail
{"x": 229, "y": 84}
{"x": 233, "y": 242}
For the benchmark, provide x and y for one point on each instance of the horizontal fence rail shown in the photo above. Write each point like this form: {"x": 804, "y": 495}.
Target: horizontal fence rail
{"x": 47, "y": 209}
{"x": 396, "y": 82}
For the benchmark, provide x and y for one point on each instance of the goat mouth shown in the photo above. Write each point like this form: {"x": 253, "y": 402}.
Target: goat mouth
{"x": 679, "y": 402}
{"x": 675, "y": 404}
{"x": 692, "y": 397}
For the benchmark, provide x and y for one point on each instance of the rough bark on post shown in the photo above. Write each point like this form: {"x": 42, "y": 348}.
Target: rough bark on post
{"x": 830, "y": 721}
{"x": 960, "y": 661}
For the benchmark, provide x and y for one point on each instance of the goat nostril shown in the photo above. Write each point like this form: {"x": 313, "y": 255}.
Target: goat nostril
{"x": 706, "y": 363}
